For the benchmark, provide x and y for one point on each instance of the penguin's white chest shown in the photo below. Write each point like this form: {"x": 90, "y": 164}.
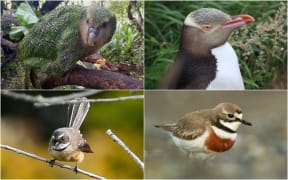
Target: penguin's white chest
{"x": 228, "y": 75}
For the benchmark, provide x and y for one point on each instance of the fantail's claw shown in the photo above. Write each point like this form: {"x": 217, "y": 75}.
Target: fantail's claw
{"x": 76, "y": 169}
{"x": 52, "y": 162}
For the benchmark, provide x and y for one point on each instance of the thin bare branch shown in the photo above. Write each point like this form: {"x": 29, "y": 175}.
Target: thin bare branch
{"x": 61, "y": 102}
{"x": 117, "y": 99}
{"x": 121, "y": 143}
{"x": 40, "y": 101}
{"x": 48, "y": 161}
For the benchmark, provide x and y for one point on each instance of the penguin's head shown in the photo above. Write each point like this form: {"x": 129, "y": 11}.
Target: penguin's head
{"x": 209, "y": 27}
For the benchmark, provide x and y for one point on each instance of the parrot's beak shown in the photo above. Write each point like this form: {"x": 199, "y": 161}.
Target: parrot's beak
{"x": 92, "y": 34}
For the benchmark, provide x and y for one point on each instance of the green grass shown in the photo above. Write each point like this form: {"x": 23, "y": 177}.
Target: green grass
{"x": 261, "y": 46}
{"x": 127, "y": 44}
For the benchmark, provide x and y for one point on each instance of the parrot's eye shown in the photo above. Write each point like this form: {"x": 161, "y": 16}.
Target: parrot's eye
{"x": 104, "y": 25}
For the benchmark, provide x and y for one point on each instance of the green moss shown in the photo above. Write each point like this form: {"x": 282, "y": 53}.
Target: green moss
{"x": 12, "y": 76}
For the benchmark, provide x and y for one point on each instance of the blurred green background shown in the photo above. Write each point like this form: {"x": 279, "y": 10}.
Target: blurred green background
{"x": 29, "y": 128}
{"x": 261, "y": 46}
{"x": 260, "y": 150}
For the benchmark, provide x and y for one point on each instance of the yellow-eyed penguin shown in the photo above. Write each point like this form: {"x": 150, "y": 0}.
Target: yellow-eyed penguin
{"x": 205, "y": 59}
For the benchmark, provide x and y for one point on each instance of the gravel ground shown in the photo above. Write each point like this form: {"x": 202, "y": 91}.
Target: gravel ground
{"x": 260, "y": 150}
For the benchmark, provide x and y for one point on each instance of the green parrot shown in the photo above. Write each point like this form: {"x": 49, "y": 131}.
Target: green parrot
{"x": 64, "y": 36}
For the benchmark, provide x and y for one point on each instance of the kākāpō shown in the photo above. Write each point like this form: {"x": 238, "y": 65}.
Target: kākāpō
{"x": 64, "y": 36}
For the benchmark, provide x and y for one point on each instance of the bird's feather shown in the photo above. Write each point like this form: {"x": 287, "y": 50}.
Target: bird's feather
{"x": 77, "y": 113}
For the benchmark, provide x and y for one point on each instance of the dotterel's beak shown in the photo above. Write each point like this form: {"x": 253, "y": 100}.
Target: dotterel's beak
{"x": 245, "y": 122}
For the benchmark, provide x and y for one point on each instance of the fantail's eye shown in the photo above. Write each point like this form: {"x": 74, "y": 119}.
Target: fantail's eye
{"x": 87, "y": 21}
{"x": 230, "y": 116}
{"x": 61, "y": 139}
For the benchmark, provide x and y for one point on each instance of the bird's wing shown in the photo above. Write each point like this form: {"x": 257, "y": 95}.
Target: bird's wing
{"x": 173, "y": 76}
{"x": 77, "y": 113}
{"x": 84, "y": 146}
{"x": 190, "y": 126}
{"x": 167, "y": 127}
{"x": 190, "y": 72}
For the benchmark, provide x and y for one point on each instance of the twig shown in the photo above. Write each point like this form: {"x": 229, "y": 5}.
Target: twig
{"x": 117, "y": 99}
{"x": 48, "y": 161}
{"x": 48, "y": 101}
{"x": 121, "y": 143}
{"x": 136, "y": 22}
{"x": 13, "y": 46}
{"x": 61, "y": 102}
{"x": 40, "y": 101}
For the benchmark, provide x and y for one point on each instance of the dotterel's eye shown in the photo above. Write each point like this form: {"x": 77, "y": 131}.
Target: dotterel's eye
{"x": 230, "y": 116}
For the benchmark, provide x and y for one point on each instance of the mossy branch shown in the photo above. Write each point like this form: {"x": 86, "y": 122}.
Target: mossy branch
{"x": 93, "y": 79}
{"x": 34, "y": 156}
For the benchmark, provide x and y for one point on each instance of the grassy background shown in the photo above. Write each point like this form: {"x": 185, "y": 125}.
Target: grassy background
{"x": 261, "y": 46}
{"x": 127, "y": 44}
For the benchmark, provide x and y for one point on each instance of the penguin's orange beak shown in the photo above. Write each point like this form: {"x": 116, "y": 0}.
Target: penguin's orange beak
{"x": 238, "y": 21}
